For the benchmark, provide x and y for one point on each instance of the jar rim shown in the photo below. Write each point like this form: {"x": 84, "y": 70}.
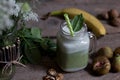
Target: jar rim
{"x": 64, "y": 24}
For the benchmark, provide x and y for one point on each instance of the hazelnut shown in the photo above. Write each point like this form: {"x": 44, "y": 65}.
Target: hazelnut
{"x": 113, "y": 13}
{"x": 47, "y": 77}
{"x": 119, "y": 16}
{"x": 103, "y": 15}
{"x": 59, "y": 76}
{"x": 52, "y": 72}
{"x": 115, "y": 22}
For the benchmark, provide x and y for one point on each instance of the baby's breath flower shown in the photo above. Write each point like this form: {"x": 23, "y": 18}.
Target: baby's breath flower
{"x": 8, "y": 23}
{"x": 5, "y": 22}
{"x": 14, "y": 10}
{"x": 11, "y": 12}
{"x": 9, "y": 7}
{"x": 30, "y": 16}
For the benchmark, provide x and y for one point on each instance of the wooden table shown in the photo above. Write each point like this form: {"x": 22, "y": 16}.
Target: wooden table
{"x": 50, "y": 27}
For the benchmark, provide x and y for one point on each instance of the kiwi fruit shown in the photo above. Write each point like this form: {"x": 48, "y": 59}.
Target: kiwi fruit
{"x": 116, "y": 63}
{"x": 101, "y": 65}
{"x": 106, "y": 51}
{"x": 117, "y": 51}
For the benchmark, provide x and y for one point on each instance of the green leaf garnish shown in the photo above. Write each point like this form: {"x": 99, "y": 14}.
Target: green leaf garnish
{"x": 69, "y": 24}
{"x": 75, "y": 24}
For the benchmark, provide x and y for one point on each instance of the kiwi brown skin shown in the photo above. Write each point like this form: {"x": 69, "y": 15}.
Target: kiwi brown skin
{"x": 115, "y": 63}
{"x": 117, "y": 51}
{"x": 105, "y": 51}
{"x": 101, "y": 65}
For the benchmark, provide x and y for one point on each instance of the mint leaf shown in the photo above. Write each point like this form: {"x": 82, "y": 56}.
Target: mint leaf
{"x": 32, "y": 33}
{"x": 77, "y": 22}
{"x": 35, "y": 32}
{"x": 32, "y": 52}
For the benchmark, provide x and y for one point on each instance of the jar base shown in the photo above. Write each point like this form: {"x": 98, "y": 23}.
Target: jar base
{"x": 5, "y": 76}
{"x": 73, "y": 69}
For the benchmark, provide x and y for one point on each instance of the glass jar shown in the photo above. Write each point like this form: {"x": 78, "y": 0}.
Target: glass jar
{"x": 8, "y": 55}
{"x": 73, "y": 51}
{"x": 8, "y": 74}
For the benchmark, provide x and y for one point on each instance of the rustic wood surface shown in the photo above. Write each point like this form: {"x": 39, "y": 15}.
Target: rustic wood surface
{"x": 50, "y": 27}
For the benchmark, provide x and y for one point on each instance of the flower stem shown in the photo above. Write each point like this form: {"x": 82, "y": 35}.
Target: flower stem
{"x": 69, "y": 24}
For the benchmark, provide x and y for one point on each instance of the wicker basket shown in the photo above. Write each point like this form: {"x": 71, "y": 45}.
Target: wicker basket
{"x": 7, "y": 55}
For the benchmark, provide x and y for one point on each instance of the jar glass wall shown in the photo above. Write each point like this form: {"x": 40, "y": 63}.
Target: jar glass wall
{"x": 72, "y": 50}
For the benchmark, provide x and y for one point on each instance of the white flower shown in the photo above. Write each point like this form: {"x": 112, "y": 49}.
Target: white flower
{"x": 5, "y": 22}
{"x": 30, "y": 16}
{"x": 14, "y": 10}
{"x": 8, "y": 23}
{"x": 9, "y": 7}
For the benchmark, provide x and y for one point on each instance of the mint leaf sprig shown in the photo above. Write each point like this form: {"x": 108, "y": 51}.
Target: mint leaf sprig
{"x": 75, "y": 24}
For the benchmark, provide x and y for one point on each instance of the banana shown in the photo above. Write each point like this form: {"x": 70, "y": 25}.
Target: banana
{"x": 92, "y": 22}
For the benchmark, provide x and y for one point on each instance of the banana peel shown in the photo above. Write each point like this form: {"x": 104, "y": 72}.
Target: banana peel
{"x": 92, "y": 22}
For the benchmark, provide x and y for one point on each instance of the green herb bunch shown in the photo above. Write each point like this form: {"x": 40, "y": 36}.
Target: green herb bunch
{"x": 34, "y": 46}
{"x": 12, "y": 15}
{"x": 13, "y": 18}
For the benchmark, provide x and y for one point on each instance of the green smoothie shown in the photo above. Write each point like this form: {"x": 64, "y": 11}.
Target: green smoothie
{"x": 73, "y": 61}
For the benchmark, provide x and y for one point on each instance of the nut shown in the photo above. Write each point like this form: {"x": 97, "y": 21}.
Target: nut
{"x": 59, "y": 76}
{"x": 119, "y": 16}
{"x": 113, "y": 13}
{"x": 47, "y": 77}
{"x": 115, "y": 22}
{"x": 52, "y": 72}
{"x": 53, "y": 75}
{"x": 103, "y": 15}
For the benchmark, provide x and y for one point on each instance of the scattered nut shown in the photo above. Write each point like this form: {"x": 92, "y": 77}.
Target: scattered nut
{"x": 119, "y": 16}
{"x": 112, "y": 16}
{"x": 59, "y": 76}
{"x": 113, "y": 13}
{"x": 52, "y": 72}
{"x": 47, "y": 77}
{"x": 103, "y": 15}
{"x": 53, "y": 75}
{"x": 115, "y": 22}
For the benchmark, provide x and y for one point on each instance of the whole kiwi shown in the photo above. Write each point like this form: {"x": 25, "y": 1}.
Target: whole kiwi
{"x": 101, "y": 65}
{"x": 115, "y": 64}
{"x": 117, "y": 51}
{"x": 106, "y": 51}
